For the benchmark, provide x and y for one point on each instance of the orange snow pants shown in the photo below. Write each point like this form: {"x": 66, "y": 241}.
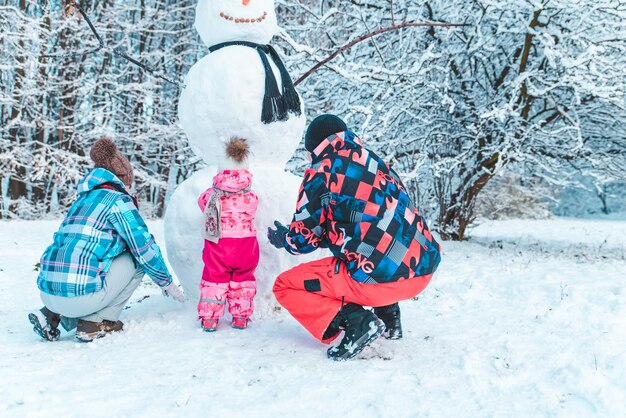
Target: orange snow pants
{"x": 314, "y": 292}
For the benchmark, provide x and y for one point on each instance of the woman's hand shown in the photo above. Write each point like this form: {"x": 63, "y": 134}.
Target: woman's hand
{"x": 172, "y": 291}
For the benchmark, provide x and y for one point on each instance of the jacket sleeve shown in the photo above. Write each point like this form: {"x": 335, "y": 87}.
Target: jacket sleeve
{"x": 395, "y": 175}
{"x": 204, "y": 198}
{"x": 131, "y": 227}
{"x": 307, "y": 231}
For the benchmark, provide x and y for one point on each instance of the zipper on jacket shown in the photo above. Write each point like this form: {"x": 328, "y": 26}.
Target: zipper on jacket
{"x": 337, "y": 266}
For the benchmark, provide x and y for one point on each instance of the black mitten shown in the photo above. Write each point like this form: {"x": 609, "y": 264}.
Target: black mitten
{"x": 278, "y": 236}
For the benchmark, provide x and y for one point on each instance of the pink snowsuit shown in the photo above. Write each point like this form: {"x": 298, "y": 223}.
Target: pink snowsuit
{"x": 229, "y": 264}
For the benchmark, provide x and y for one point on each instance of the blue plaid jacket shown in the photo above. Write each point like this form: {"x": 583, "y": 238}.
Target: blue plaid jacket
{"x": 100, "y": 225}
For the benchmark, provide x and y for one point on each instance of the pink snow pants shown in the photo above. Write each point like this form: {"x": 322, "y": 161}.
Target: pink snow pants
{"x": 228, "y": 277}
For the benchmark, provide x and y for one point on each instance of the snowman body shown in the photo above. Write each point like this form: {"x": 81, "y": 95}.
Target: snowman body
{"x": 223, "y": 99}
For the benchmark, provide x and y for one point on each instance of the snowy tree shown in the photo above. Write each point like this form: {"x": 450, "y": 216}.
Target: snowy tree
{"x": 532, "y": 82}
{"x": 53, "y": 108}
{"x": 538, "y": 84}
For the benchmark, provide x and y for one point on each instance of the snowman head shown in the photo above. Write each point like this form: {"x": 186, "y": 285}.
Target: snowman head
{"x": 220, "y": 21}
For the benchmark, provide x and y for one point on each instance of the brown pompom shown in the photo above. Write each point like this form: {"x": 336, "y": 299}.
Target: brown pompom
{"x": 102, "y": 152}
{"x": 105, "y": 155}
{"x": 237, "y": 149}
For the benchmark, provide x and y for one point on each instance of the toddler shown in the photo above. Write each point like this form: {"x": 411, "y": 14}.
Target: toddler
{"x": 231, "y": 250}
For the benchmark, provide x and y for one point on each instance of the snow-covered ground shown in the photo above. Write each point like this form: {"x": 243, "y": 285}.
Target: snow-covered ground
{"x": 527, "y": 319}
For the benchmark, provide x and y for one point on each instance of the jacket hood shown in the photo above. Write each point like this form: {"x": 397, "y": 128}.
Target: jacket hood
{"x": 97, "y": 177}
{"x": 337, "y": 142}
{"x": 232, "y": 180}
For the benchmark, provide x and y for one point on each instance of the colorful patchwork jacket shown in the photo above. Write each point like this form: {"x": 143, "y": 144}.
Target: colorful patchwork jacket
{"x": 351, "y": 202}
{"x": 100, "y": 225}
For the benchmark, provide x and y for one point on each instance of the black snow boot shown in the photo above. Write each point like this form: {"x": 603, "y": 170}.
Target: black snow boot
{"x": 361, "y": 328}
{"x": 45, "y": 323}
{"x": 390, "y": 315}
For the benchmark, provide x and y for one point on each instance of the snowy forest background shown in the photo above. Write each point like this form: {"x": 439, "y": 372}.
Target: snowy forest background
{"x": 520, "y": 113}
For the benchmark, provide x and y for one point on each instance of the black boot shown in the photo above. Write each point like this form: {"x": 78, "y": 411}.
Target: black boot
{"x": 361, "y": 328}
{"x": 45, "y": 323}
{"x": 390, "y": 315}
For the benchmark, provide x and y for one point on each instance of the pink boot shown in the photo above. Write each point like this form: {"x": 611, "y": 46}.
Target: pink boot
{"x": 240, "y": 323}
{"x": 209, "y": 324}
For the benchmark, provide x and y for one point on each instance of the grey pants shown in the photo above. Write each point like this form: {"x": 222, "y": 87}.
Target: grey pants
{"x": 119, "y": 284}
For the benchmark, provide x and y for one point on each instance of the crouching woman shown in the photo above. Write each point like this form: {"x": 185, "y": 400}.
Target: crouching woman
{"x": 99, "y": 255}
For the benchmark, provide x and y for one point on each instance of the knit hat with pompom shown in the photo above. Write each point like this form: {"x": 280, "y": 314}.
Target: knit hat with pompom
{"x": 105, "y": 155}
{"x": 236, "y": 153}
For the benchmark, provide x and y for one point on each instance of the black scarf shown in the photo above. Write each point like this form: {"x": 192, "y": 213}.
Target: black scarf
{"x": 276, "y": 105}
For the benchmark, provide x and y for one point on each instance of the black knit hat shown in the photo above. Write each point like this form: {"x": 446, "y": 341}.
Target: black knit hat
{"x": 321, "y": 128}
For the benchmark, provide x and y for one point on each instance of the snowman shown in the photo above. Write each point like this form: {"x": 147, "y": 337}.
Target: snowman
{"x": 239, "y": 89}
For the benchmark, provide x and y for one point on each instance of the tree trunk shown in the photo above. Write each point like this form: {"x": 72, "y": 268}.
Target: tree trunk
{"x": 459, "y": 212}
{"x": 17, "y": 188}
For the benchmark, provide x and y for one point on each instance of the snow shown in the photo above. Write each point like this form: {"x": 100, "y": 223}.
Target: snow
{"x": 599, "y": 237}
{"x": 564, "y": 231}
{"x": 502, "y": 330}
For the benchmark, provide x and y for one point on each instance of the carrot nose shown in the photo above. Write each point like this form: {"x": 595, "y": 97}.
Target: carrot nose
{"x": 245, "y": 2}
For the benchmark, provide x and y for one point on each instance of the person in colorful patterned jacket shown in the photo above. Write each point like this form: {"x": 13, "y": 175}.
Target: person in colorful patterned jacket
{"x": 231, "y": 249}
{"x": 99, "y": 255}
{"x": 354, "y": 204}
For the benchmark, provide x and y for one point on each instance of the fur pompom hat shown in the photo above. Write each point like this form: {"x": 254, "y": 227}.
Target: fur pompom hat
{"x": 236, "y": 153}
{"x": 105, "y": 155}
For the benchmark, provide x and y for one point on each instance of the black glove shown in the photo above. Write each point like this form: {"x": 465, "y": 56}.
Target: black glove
{"x": 278, "y": 236}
